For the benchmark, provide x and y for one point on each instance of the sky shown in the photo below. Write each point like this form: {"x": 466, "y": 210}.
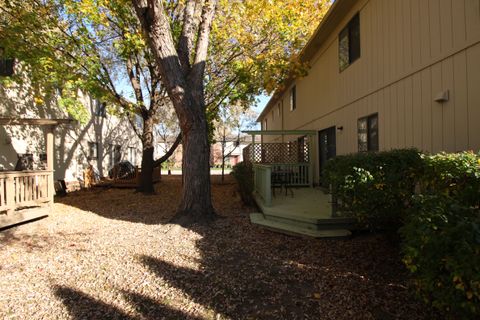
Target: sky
{"x": 262, "y": 102}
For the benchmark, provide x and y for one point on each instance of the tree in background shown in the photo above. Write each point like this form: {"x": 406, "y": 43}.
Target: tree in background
{"x": 166, "y": 131}
{"x": 91, "y": 46}
{"x": 203, "y": 60}
{"x": 230, "y": 122}
{"x": 251, "y": 46}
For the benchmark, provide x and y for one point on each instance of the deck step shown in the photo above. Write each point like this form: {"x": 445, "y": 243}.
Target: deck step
{"x": 311, "y": 223}
{"x": 295, "y": 229}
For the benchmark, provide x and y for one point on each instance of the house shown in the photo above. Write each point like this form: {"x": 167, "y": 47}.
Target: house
{"x": 382, "y": 74}
{"x": 232, "y": 150}
{"x": 102, "y": 141}
{"x": 163, "y": 145}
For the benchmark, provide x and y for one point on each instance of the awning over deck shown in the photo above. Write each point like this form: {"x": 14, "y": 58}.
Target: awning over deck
{"x": 281, "y": 132}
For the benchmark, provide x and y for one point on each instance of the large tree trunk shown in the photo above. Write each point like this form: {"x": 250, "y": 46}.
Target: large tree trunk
{"x": 146, "y": 176}
{"x": 196, "y": 205}
{"x": 184, "y": 84}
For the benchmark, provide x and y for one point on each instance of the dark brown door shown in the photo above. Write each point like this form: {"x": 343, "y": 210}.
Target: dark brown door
{"x": 327, "y": 146}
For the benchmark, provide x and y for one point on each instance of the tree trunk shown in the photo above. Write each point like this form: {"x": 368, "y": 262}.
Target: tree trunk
{"x": 146, "y": 176}
{"x": 196, "y": 205}
{"x": 186, "y": 92}
{"x": 223, "y": 156}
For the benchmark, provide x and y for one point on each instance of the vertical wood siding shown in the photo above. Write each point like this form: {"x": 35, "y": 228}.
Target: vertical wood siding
{"x": 410, "y": 52}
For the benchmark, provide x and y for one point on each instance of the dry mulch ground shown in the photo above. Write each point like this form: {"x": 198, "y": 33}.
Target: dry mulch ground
{"x": 110, "y": 254}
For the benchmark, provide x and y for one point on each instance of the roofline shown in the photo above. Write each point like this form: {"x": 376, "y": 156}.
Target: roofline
{"x": 280, "y": 132}
{"x": 335, "y": 14}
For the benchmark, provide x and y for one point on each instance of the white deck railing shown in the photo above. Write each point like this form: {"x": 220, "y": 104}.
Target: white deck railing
{"x": 25, "y": 188}
{"x": 291, "y": 175}
{"x": 296, "y": 174}
{"x": 263, "y": 182}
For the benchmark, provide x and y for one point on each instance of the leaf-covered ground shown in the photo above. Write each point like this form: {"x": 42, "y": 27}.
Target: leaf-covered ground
{"x": 110, "y": 254}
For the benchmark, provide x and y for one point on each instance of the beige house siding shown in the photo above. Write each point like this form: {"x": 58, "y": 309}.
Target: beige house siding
{"x": 411, "y": 50}
{"x": 71, "y": 141}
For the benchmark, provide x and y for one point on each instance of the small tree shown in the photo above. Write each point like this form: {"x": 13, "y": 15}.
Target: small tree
{"x": 230, "y": 122}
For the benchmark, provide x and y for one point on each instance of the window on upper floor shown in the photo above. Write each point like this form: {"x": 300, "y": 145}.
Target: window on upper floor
{"x": 278, "y": 110}
{"x": 349, "y": 43}
{"x": 293, "y": 98}
{"x": 368, "y": 133}
{"x": 6, "y": 65}
{"x": 265, "y": 124}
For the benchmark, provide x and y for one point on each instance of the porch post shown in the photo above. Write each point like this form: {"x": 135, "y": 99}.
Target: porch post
{"x": 252, "y": 150}
{"x": 10, "y": 196}
{"x": 310, "y": 160}
{"x": 50, "y": 153}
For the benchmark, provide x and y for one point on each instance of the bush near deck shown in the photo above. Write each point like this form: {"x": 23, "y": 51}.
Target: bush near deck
{"x": 433, "y": 200}
{"x": 243, "y": 173}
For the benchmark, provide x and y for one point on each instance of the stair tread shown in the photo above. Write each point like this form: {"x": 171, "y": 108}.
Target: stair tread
{"x": 332, "y": 220}
{"x": 260, "y": 219}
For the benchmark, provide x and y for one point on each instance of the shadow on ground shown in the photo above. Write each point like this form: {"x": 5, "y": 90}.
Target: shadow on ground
{"x": 246, "y": 272}
{"x": 83, "y": 306}
{"x": 128, "y": 205}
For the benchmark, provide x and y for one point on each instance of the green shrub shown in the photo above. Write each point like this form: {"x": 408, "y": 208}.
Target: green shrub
{"x": 456, "y": 175}
{"x": 441, "y": 246}
{"x": 436, "y": 198}
{"x": 243, "y": 173}
{"x": 375, "y": 188}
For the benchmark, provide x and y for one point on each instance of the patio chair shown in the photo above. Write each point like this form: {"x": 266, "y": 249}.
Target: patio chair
{"x": 281, "y": 179}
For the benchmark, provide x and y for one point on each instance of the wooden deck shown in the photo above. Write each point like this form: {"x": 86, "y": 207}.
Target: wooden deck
{"x": 308, "y": 203}
{"x": 308, "y": 213}
{"x": 23, "y": 189}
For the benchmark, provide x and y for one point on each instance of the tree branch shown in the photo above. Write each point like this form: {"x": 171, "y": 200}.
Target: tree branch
{"x": 134, "y": 127}
{"x": 167, "y": 155}
{"x": 185, "y": 42}
{"x": 134, "y": 78}
{"x": 198, "y": 68}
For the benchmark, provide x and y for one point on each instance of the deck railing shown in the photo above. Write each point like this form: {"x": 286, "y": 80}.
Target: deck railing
{"x": 292, "y": 175}
{"x": 263, "y": 182}
{"x": 25, "y": 188}
{"x": 297, "y": 174}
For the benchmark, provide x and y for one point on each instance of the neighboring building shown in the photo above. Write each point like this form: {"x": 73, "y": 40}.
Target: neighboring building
{"x": 233, "y": 150}
{"x": 103, "y": 141}
{"x": 386, "y": 74}
{"x": 163, "y": 144}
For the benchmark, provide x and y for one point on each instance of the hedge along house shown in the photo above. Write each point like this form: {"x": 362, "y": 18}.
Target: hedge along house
{"x": 385, "y": 74}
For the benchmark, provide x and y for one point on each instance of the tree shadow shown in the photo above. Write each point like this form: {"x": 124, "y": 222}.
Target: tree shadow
{"x": 246, "y": 272}
{"x": 83, "y": 306}
{"x": 129, "y": 205}
{"x": 250, "y": 273}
